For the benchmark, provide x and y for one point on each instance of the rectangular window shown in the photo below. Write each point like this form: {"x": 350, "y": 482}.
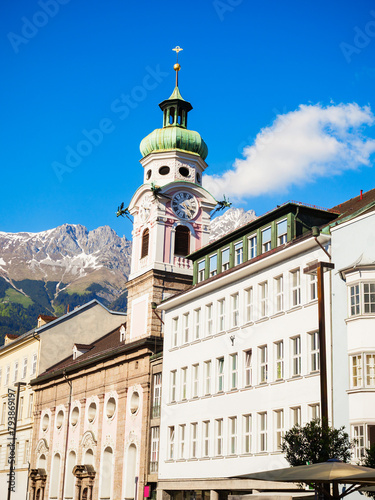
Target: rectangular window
{"x": 248, "y": 368}
{"x": 15, "y": 371}
{"x": 279, "y": 354}
{"x": 201, "y": 270}
{"x": 33, "y": 365}
{"x": 207, "y": 377}
{"x": 262, "y": 431}
{"x": 0, "y": 376}
{"x": 313, "y": 284}
{"x": 232, "y": 435}
{"x": 173, "y": 386}
{"x": 20, "y": 408}
{"x": 197, "y": 323}
{"x": 252, "y": 247}
{"x": 26, "y": 451}
{"x": 247, "y": 433}
{"x": 194, "y": 439}
{"x": 233, "y": 371}
{"x": 182, "y": 432}
{"x": 206, "y": 439}
{"x": 195, "y": 381}
{"x": 279, "y": 292}
{"x": 209, "y": 318}
{"x": 370, "y": 370}
{"x": 154, "y": 452}
{"x": 156, "y": 395}
{"x": 219, "y": 437}
{"x": 263, "y": 288}
{"x": 354, "y": 300}
{"x": 295, "y": 414}
{"x": 282, "y": 230}
{"x": 266, "y": 240}
{"x": 279, "y": 428}
{"x": 314, "y": 411}
{"x": 174, "y": 332}
{"x": 184, "y": 383}
{"x": 186, "y": 328}
{"x": 238, "y": 253}
{"x": 235, "y": 310}
{"x": 295, "y": 287}
{"x": 369, "y": 298}
{"x": 221, "y": 311}
{"x": 225, "y": 259}
{"x": 7, "y": 375}
{"x": 213, "y": 265}
{"x": 357, "y": 373}
{"x": 249, "y": 304}
{"x": 3, "y": 413}
{"x": 24, "y": 368}
{"x": 263, "y": 364}
{"x": 296, "y": 356}
{"x": 358, "y": 432}
{"x": 220, "y": 374}
{"x": 314, "y": 352}
{"x": 30, "y": 409}
{"x": 171, "y": 434}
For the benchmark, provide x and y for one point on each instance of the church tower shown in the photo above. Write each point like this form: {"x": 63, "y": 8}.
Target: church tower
{"x": 171, "y": 213}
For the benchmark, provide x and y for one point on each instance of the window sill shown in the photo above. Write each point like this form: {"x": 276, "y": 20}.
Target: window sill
{"x": 311, "y": 303}
{"x": 192, "y": 460}
{"x": 277, "y": 315}
{"x": 295, "y": 377}
{"x": 195, "y": 341}
{"x": 207, "y": 338}
{"x": 234, "y": 455}
{"x": 233, "y": 329}
{"x": 222, "y": 332}
{"x": 262, "y": 384}
{"x": 261, "y": 454}
{"x": 360, "y": 389}
{"x": 360, "y": 316}
{"x": 231, "y": 391}
{"x": 294, "y": 308}
{"x": 278, "y": 381}
{"x": 312, "y": 374}
{"x": 248, "y": 323}
{"x": 247, "y": 388}
{"x": 261, "y": 320}
{"x": 278, "y": 452}
{"x": 204, "y": 458}
{"x": 181, "y": 460}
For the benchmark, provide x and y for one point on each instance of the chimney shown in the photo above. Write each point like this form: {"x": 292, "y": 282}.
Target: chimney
{"x": 361, "y": 193}
{"x": 43, "y": 319}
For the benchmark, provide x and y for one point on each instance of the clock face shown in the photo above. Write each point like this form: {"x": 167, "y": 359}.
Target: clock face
{"x": 184, "y": 205}
{"x": 145, "y": 208}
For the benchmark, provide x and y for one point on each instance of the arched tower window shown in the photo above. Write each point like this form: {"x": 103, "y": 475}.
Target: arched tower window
{"x": 182, "y": 241}
{"x": 145, "y": 242}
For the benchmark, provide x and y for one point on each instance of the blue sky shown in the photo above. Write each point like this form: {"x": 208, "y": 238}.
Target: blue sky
{"x": 247, "y": 68}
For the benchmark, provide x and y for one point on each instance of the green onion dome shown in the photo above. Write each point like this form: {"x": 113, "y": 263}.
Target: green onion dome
{"x": 174, "y": 134}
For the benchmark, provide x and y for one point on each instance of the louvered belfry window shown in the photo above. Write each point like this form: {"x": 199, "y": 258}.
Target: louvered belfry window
{"x": 182, "y": 241}
{"x": 145, "y": 240}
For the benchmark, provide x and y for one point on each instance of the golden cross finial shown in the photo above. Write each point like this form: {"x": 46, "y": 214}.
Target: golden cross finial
{"x": 177, "y": 67}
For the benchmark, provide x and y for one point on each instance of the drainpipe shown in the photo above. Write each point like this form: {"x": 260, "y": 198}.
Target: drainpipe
{"x": 67, "y": 432}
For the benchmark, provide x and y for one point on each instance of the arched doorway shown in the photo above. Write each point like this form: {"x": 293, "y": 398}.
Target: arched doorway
{"x": 130, "y": 473}
{"x": 106, "y": 474}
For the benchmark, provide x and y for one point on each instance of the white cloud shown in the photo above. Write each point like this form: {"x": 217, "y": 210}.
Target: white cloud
{"x": 300, "y": 146}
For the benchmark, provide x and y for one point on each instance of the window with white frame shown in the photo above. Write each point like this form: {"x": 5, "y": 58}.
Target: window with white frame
{"x": 248, "y": 368}
{"x": 279, "y": 293}
{"x": 314, "y": 411}
{"x": 15, "y": 371}
{"x": 233, "y": 371}
{"x": 358, "y": 433}
{"x": 279, "y": 356}
{"x": 30, "y": 409}
{"x": 232, "y": 435}
{"x": 282, "y": 230}
{"x": 235, "y": 303}
{"x": 246, "y": 433}
{"x": 20, "y": 407}
{"x": 26, "y": 452}
{"x": 156, "y": 395}
{"x": 33, "y": 364}
{"x": 209, "y": 319}
{"x": 356, "y": 371}
{"x": 262, "y": 418}
{"x": 185, "y": 327}
{"x": 173, "y": 377}
{"x": 207, "y": 377}
{"x": 249, "y": 304}
{"x": 221, "y": 314}
{"x": 206, "y": 438}
{"x": 3, "y": 413}
{"x": 263, "y": 288}
{"x": 171, "y": 438}
{"x": 370, "y": 369}
{"x": 201, "y": 270}
{"x": 175, "y": 332}
{"x": 154, "y": 451}
{"x": 362, "y": 299}
{"x": 266, "y": 240}
{"x": 295, "y": 415}
{"x": 195, "y": 381}
{"x": 263, "y": 364}
{"x": 219, "y": 451}
{"x": 220, "y": 374}
{"x": 363, "y": 370}
{"x": 295, "y": 287}
{"x": 194, "y": 439}
{"x": 279, "y": 428}
{"x": 238, "y": 253}
{"x": 296, "y": 356}
{"x": 7, "y": 375}
{"x": 182, "y": 435}
{"x": 225, "y": 257}
{"x": 24, "y": 368}
{"x": 313, "y": 286}
{"x": 369, "y": 298}
{"x": 314, "y": 352}
{"x": 197, "y": 323}
{"x": 213, "y": 265}
{"x": 354, "y": 300}
{"x": 252, "y": 247}
{"x": 184, "y": 382}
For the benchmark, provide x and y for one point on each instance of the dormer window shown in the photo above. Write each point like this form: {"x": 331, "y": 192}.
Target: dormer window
{"x": 79, "y": 349}
{"x": 122, "y": 333}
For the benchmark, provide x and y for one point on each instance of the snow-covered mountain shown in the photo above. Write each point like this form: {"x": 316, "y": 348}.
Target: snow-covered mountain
{"x": 229, "y": 221}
